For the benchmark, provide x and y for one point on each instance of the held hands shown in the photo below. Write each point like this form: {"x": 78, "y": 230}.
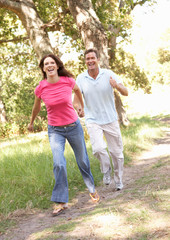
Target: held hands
{"x": 80, "y": 111}
{"x": 113, "y": 83}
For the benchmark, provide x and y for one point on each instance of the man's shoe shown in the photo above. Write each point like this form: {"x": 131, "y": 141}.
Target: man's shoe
{"x": 107, "y": 177}
{"x": 118, "y": 188}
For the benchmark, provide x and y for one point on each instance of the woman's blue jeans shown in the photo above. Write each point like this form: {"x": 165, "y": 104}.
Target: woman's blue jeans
{"x": 75, "y": 136}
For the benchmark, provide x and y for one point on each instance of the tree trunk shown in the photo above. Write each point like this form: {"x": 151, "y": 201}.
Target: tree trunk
{"x": 94, "y": 36}
{"x": 91, "y": 29}
{"x": 2, "y": 112}
{"x": 112, "y": 42}
{"x": 122, "y": 116}
{"x": 28, "y": 14}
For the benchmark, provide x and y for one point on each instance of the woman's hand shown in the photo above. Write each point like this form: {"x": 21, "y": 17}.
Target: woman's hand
{"x": 30, "y": 127}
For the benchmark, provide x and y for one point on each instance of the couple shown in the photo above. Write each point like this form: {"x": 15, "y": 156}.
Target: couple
{"x": 96, "y": 85}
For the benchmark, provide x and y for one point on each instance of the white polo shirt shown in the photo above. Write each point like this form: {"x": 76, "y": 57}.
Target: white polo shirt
{"x": 99, "y": 104}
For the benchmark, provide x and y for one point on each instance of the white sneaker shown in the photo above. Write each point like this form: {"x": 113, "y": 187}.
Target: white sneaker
{"x": 107, "y": 177}
{"x": 119, "y": 187}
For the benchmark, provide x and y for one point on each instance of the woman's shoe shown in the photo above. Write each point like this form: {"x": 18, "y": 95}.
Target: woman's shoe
{"x": 95, "y": 197}
{"x": 58, "y": 209}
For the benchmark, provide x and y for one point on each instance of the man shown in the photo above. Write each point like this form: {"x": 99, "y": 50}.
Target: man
{"x": 101, "y": 119}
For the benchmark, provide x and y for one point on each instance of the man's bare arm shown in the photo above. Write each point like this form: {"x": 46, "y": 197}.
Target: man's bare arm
{"x": 119, "y": 86}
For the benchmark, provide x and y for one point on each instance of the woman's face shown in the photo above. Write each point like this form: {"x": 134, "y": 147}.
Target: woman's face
{"x": 50, "y": 67}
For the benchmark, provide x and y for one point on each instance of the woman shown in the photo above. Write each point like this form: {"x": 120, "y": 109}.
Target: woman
{"x": 63, "y": 123}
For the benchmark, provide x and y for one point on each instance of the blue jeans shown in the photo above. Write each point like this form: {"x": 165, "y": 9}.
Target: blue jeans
{"x": 75, "y": 136}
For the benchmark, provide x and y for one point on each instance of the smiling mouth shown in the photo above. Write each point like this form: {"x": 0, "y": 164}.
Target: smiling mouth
{"x": 50, "y": 70}
{"x": 91, "y": 64}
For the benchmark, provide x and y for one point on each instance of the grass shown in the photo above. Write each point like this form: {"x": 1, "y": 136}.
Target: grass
{"x": 5, "y": 224}
{"x": 139, "y": 136}
{"x": 26, "y": 165}
{"x": 27, "y": 181}
{"x": 26, "y": 170}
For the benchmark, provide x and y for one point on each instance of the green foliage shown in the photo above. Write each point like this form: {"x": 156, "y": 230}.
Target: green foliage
{"x": 158, "y": 64}
{"x": 18, "y": 126}
{"x": 162, "y": 75}
{"x": 19, "y": 76}
{"x": 76, "y": 68}
{"x": 10, "y": 129}
{"x": 9, "y": 25}
{"x": 164, "y": 55}
{"x": 18, "y": 110}
{"x": 113, "y": 17}
{"x": 58, "y": 14}
{"x": 17, "y": 94}
{"x": 125, "y": 64}
{"x": 16, "y": 51}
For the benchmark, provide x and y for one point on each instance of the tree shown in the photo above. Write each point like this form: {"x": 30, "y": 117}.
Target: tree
{"x": 27, "y": 13}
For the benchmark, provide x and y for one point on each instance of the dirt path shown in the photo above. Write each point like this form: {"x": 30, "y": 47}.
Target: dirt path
{"x": 33, "y": 222}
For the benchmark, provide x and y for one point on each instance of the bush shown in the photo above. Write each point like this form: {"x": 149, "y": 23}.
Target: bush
{"x": 19, "y": 126}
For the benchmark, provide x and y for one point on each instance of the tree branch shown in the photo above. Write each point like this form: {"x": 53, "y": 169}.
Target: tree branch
{"x": 8, "y": 4}
{"x": 141, "y": 2}
{"x": 53, "y": 25}
{"x": 18, "y": 39}
{"x": 133, "y": 4}
{"x": 16, "y": 4}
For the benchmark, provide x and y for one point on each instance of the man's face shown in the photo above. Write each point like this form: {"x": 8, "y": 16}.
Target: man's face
{"x": 91, "y": 61}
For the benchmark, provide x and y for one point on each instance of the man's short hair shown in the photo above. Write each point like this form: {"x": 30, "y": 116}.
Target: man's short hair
{"x": 91, "y": 50}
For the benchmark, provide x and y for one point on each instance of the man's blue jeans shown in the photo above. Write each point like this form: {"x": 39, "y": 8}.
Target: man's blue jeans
{"x": 75, "y": 136}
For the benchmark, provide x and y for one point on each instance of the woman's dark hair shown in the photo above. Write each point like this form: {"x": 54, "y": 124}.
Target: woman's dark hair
{"x": 61, "y": 69}
{"x": 91, "y": 50}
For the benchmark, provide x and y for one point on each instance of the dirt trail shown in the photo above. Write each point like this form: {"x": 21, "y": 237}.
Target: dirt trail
{"x": 33, "y": 222}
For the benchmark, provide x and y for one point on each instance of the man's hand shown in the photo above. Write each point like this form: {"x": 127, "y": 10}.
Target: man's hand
{"x": 113, "y": 83}
{"x": 120, "y": 87}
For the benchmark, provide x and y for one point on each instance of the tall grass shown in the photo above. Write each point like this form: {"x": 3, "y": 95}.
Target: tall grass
{"x": 26, "y": 165}
{"x": 26, "y": 173}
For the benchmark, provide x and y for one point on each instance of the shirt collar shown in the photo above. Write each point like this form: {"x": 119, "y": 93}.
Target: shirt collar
{"x": 101, "y": 71}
